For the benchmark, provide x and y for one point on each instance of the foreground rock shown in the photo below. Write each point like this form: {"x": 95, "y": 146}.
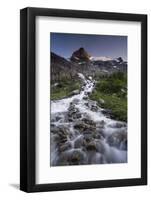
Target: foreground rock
{"x": 73, "y": 113}
{"x": 74, "y": 92}
{"x": 85, "y": 124}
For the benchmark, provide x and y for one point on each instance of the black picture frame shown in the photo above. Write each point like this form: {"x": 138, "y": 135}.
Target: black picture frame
{"x": 28, "y": 98}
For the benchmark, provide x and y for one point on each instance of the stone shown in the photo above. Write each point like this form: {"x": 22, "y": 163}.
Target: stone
{"x": 101, "y": 124}
{"x": 89, "y": 122}
{"x": 78, "y": 142}
{"x": 100, "y": 146}
{"x": 75, "y": 101}
{"x": 57, "y": 118}
{"x": 86, "y": 104}
{"x": 107, "y": 112}
{"x": 100, "y": 133}
{"x": 54, "y": 129}
{"x": 87, "y": 132}
{"x": 74, "y": 92}
{"x": 56, "y": 138}
{"x": 101, "y": 101}
{"x": 117, "y": 125}
{"x": 94, "y": 108}
{"x": 95, "y": 157}
{"x": 64, "y": 147}
{"x": 78, "y": 115}
{"x": 85, "y": 98}
{"x": 77, "y": 157}
{"x": 118, "y": 139}
{"x": 81, "y": 126}
{"x": 84, "y": 125}
{"x": 91, "y": 146}
{"x": 73, "y": 113}
{"x": 61, "y": 132}
{"x": 98, "y": 136}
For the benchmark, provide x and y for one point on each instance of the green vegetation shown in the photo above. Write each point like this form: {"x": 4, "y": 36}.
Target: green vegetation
{"x": 113, "y": 90}
{"x": 64, "y": 88}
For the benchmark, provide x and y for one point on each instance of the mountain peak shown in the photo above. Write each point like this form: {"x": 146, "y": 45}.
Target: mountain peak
{"x": 80, "y": 55}
{"x": 120, "y": 59}
{"x": 81, "y": 49}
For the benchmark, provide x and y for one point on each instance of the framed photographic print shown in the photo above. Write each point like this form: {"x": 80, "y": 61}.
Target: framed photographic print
{"x": 83, "y": 95}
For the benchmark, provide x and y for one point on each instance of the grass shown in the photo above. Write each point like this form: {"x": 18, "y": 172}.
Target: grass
{"x": 113, "y": 90}
{"x": 64, "y": 88}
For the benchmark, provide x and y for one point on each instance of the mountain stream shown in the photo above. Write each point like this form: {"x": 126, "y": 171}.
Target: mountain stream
{"x": 83, "y": 133}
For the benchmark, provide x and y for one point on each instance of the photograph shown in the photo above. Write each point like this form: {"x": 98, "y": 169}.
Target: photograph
{"x": 88, "y": 99}
{"x": 83, "y": 99}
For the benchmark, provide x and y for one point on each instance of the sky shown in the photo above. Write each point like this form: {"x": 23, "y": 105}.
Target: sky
{"x": 64, "y": 44}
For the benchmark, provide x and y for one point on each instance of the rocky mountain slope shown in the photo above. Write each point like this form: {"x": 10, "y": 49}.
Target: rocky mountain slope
{"x": 82, "y": 62}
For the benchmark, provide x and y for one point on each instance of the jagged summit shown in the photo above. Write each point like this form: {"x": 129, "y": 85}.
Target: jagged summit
{"x": 80, "y": 55}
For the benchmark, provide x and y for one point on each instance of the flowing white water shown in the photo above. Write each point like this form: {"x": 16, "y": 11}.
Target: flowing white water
{"x": 82, "y": 134}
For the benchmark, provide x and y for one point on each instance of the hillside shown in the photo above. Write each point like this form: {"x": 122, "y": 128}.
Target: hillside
{"x": 81, "y": 62}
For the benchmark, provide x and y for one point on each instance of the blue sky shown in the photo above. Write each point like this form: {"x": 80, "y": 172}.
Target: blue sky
{"x": 64, "y": 44}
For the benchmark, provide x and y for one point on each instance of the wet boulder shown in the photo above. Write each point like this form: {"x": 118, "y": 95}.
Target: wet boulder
{"x": 92, "y": 105}
{"x": 101, "y": 124}
{"x": 54, "y": 129}
{"x": 88, "y": 137}
{"x": 55, "y": 138}
{"x": 73, "y": 117}
{"x": 85, "y": 98}
{"x": 118, "y": 139}
{"x": 89, "y": 122}
{"x": 117, "y": 124}
{"x": 62, "y": 139}
{"x": 56, "y": 118}
{"x": 95, "y": 157}
{"x": 76, "y": 157}
{"x": 95, "y": 145}
{"x": 107, "y": 113}
{"x": 89, "y": 141}
{"x": 73, "y": 113}
{"x": 61, "y": 132}
{"x": 72, "y": 157}
{"x": 94, "y": 108}
{"x": 81, "y": 126}
{"x": 100, "y": 134}
{"x": 85, "y": 124}
{"x": 77, "y": 116}
{"x": 91, "y": 146}
{"x": 65, "y": 146}
{"x": 100, "y": 146}
{"x": 72, "y": 107}
{"x": 75, "y": 101}
{"x": 74, "y": 92}
{"x": 78, "y": 143}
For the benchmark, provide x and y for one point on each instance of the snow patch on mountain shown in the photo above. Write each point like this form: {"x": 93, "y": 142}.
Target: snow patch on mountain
{"x": 101, "y": 58}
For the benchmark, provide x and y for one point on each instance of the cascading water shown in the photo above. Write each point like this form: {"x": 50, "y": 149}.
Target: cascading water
{"x": 82, "y": 134}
